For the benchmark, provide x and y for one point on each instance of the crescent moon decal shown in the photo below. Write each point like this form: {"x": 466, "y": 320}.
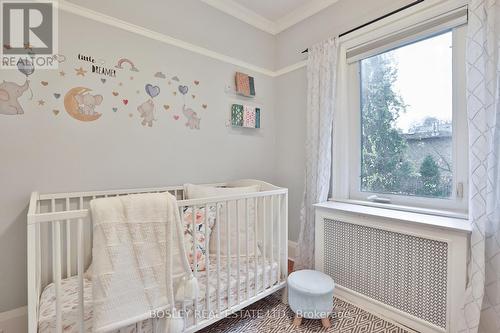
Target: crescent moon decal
{"x": 72, "y": 107}
{"x": 125, "y": 60}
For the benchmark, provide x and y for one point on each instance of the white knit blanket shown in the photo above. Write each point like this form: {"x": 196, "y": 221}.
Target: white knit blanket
{"x": 138, "y": 258}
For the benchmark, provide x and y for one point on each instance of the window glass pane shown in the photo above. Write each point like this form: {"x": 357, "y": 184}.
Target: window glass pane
{"x": 406, "y": 119}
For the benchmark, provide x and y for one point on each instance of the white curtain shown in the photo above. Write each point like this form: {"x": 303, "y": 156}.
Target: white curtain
{"x": 321, "y": 83}
{"x": 481, "y": 311}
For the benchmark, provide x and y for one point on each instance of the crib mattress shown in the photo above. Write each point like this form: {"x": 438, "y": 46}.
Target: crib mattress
{"x": 69, "y": 290}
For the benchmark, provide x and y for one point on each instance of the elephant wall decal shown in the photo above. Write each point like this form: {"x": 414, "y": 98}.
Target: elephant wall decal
{"x": 9, "y": 95}
{"x": 88, "y": 102}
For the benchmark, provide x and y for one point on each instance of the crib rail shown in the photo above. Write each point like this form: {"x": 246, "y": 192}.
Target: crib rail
{"x": 60, "y": 242}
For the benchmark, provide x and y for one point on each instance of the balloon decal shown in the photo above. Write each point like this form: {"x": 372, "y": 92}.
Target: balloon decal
{"x": 152, "y": 91}
{"x": 183, "y": 89}
{"x": 27, "y": 68}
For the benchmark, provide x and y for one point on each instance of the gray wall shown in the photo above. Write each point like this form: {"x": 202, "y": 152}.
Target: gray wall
{"x": 291, "y": 89}
{"x": 49, "y": 153}
{"x": 57, "y": 153}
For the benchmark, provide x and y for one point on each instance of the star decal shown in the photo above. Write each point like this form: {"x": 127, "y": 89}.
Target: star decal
{"x": 80, "y": 71}
{"x": 41, "y": 102}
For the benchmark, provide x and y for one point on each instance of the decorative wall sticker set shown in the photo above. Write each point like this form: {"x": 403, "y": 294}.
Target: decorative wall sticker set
{"x": 91, "y": 99}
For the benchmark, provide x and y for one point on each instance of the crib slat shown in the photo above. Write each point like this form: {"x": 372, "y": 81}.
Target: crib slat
{"x": 272, "y": 243}
{"x": 207, "y": 261}
{"x": 247, "y": 217}
{"x": 80, "y": 268}
{"x": 256, "y": 257}
{"x": 264, "y": 213}
{"x": 228, "y": 229}
{"x": 217, "y": 242}
{"x": 280, "y": 253}
{"x": 81, "y": 244}
{"x": 56, "y": 243}
{"x": 68, "y": 242}
{"x": 195, "y": 261}
{"x": 238, "y": 256}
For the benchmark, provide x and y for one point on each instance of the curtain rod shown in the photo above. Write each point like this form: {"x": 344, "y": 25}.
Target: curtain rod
{"x": 377, "y": 19}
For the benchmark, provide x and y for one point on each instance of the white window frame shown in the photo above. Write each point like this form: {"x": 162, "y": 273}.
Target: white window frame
{"x": 347, "y": 125}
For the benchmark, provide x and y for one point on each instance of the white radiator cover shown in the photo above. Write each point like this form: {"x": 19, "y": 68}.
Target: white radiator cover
{"x": 409, "y": 272}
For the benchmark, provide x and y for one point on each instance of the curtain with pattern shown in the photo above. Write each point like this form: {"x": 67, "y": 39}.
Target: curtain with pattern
{"x": 321, "y": 88}
{"x": 481, "y": 310}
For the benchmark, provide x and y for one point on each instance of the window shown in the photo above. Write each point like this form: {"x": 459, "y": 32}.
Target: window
{"x": 406, "y": 120}
{"x": 406, "y": 126}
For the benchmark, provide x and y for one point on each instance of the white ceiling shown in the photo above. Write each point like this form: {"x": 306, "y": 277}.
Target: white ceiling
{"x": 272, "y": 9}
{"x": 272, "y": 16}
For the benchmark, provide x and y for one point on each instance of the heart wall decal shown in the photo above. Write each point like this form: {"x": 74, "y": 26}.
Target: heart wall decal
{"x": 183, "y": 89}
{"x": 151, "y": 90}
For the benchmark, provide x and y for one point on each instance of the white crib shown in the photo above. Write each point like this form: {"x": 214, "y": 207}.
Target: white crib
{"x": 60, "y": 243}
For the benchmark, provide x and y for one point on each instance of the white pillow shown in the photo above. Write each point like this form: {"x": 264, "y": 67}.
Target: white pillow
{"x": 201, "y": 191}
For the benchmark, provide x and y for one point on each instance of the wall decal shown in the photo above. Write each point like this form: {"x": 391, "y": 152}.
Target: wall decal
{"x": 147, "y": 112}
{"x": 27, "y": 68}
{"x": 122, "y": 61}
{"x": 9, "y": 94}
{"x": 103, "y": 71}
{"x": 193, "y": 121}
{"x": 80, "y": 104}
{"x": 60, "y": 58}
{"x": 183, "y": 89}
{"x": 85, "y": 101}
{"x": 160, "y": 75}
{"x": 80, "y": 71}
{"x": 151, "y": 90}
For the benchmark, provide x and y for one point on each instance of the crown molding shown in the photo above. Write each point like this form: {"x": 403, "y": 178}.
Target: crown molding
{"x": 142, "y": 31}
{"x": 258, "y": 21}
{"x": 244, "y": 14}
{"x": 301, "y": 13}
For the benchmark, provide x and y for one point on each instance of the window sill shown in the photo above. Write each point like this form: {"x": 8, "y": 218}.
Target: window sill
{"x": 423, "y": 217}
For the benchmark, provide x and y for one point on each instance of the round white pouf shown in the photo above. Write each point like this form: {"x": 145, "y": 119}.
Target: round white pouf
{"x": 310, "y": 294}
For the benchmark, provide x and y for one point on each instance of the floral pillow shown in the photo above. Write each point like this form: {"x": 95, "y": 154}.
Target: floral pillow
{"x": 199, "y": 233}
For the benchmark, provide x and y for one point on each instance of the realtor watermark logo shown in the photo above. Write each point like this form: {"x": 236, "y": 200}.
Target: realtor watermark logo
{"x": 29, "y": 34}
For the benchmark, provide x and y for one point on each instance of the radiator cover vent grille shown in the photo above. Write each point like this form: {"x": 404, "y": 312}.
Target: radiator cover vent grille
{"x": 406, "y": 272}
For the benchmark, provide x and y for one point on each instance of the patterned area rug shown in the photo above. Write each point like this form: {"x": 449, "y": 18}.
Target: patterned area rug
{"x": 269, "y": 315}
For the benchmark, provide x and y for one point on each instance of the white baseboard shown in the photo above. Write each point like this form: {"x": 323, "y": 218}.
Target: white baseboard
{"x": 14, "y": 321}
{"x": 292, "y": 250}
{"x": 386, "y": 312}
